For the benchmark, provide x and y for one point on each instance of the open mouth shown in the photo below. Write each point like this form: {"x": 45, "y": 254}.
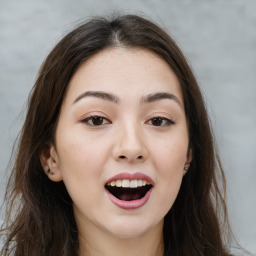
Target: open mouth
{"x": 128, "y": 190}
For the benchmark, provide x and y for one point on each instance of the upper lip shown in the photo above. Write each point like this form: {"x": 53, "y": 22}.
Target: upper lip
{"x": 131, "y": 176}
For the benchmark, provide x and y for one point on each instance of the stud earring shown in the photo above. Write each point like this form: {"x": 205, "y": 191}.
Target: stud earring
{"x": 186, "y": 168}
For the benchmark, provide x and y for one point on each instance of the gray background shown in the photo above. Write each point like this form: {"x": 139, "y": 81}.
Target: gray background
{"x": 219, "y": 40}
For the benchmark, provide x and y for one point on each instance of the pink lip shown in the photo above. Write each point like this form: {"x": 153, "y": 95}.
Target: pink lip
{"x": 131, "y": 176}
{"x": 133, "y": 204}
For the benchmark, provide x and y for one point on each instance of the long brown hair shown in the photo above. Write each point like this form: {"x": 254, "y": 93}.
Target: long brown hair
{"x": 40, "y": 219}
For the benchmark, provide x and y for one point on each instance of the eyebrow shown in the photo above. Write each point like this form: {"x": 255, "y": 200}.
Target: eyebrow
{"x": 113, "y": 98}
{"x": 98, "y": 94}
{"x": 159, "y": 96}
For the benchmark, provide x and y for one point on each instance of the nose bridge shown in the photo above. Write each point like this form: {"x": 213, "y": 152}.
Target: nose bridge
{"x": 130, "y": 142}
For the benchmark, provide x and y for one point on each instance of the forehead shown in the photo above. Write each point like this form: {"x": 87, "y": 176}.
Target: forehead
{"x": 125, "y": 72}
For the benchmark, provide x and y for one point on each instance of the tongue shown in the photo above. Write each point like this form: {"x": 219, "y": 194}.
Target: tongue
{"x": 129, "y": 196}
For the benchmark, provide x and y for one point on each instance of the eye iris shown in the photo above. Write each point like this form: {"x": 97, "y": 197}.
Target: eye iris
{"x": 96, "y": 120}
{"x": 157, "y": 121}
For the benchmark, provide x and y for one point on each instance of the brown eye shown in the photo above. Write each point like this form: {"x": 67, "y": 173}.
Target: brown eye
{"x": 96, "y": 121}
{"x": 157, "y": 121}
{"x": 160, "y": 121}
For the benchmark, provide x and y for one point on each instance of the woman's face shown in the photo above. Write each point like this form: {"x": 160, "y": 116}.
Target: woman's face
{"x": 121, "y": 142}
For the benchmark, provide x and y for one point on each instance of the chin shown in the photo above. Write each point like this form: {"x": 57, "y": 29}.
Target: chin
{"x": 130, "y": 228}
{"x": 129, "y": 234}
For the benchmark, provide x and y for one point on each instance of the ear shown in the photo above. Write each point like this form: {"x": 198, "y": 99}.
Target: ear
{"x": 188, "y": 161}
{"x": 189, "y": 156}
{"x": 50, "y": 162}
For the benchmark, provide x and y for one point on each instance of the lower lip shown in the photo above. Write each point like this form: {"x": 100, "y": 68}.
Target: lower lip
{"x": 129, "y": 205}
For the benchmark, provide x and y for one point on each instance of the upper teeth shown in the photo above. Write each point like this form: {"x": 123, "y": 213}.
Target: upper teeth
{"x": 128, "y": 183}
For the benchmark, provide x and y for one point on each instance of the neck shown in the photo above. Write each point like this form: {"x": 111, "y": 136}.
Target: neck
{"x": 100, "y": 243}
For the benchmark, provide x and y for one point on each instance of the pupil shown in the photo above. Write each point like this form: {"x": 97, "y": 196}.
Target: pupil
{"x": 96, "y": 120}
{"x": 157, "y": 121}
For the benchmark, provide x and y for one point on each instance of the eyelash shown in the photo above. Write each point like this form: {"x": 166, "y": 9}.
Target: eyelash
{"x": 89, "y": 119}
{"x": 168, "y": 122}
{"x": 103, "y": 120}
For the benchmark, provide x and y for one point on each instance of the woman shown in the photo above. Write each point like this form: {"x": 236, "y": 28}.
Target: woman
{"x": 116, "y": 155}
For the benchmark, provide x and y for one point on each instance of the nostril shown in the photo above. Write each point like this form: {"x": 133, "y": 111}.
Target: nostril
{"x": 124, "y": 157}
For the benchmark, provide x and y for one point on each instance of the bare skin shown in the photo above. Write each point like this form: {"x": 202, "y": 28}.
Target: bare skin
{"x": 112, "y": 246}
{"x": 123, "y": 113}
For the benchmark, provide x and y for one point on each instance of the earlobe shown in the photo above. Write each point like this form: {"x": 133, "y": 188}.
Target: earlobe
{"x": 188, "y": 162}
{"x": 186, "y": 168}
{"x": 50, "y": 162}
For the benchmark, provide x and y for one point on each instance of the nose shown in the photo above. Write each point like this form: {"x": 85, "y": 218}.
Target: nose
{"x": 130, "y": 145}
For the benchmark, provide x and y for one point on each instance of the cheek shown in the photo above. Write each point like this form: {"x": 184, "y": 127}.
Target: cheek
{"x": 79, "y": 153}
{"x": 169, "y": 181}
{"x": 81, "y": 161}
{"x": 82, "y": 165}
{"x": 169, "y": 162}
{"x": 170, "y": 155}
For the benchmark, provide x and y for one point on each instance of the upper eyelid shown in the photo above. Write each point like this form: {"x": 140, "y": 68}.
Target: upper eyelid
{"x": 94, "y": 113}
{"x": 86, "y": 120}
{"x": 89, "y": 115}
{"x": 161, "y": 115}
